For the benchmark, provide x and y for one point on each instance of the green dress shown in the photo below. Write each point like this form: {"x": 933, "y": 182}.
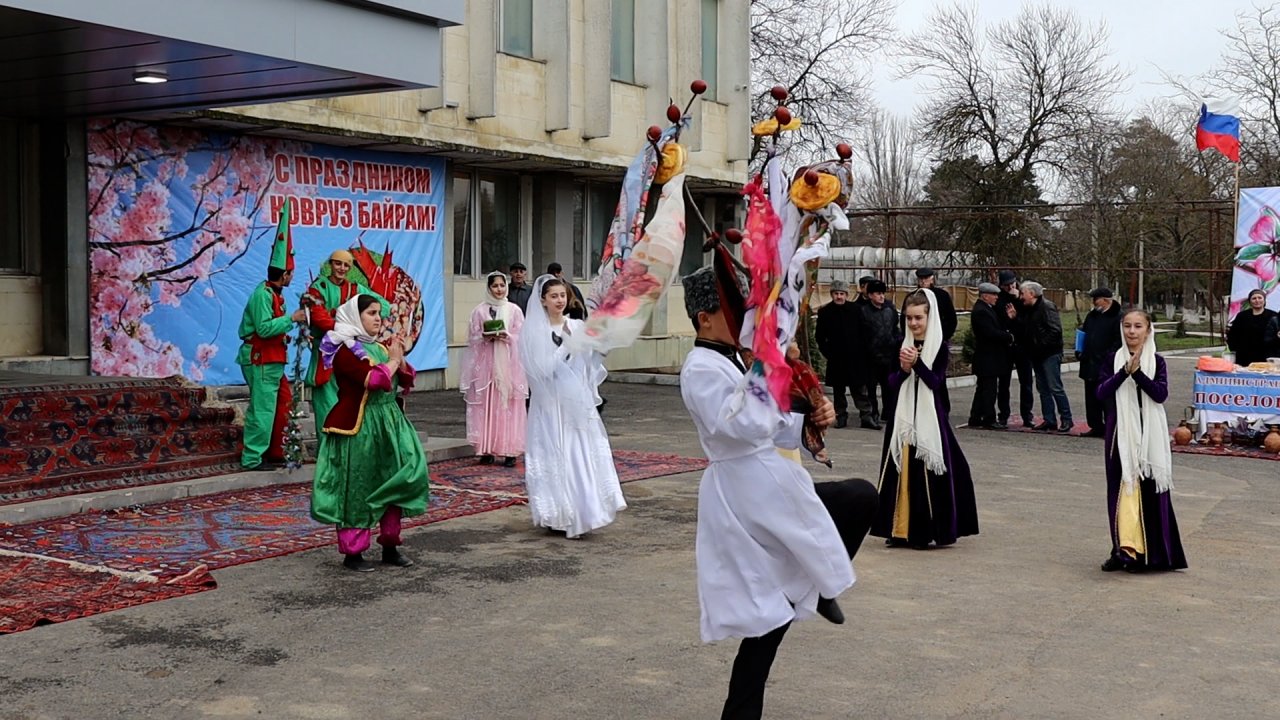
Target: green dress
{"x": 382, "y": 465}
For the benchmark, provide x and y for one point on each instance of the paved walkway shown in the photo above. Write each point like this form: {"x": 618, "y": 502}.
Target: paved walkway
{"x": 500, "y": 621}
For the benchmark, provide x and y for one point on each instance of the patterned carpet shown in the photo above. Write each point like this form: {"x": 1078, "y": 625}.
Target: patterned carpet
{"x": 1227, "y": 451}
{"x": 93, "y": 434}
{"x": 218, "y": 531}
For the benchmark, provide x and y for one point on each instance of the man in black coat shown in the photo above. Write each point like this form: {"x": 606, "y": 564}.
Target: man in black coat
{"x": 990, "y": 357}
{"x": 1012, "y": 313}
{"x": 880, "y": 339}
{"x": 1101, "y": 338}
{"x": 926, "y": 278}
{"x": 836, "y": 333}
{"x": 519, "y": 290}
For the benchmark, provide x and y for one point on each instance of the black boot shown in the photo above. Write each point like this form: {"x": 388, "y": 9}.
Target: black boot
{"x": 509, "y": 462}
{"x": 358, "y": 563}
{"x": 830, "y": 610}
{"x": 392, "y": 556}
{"x": 486, "y": 459}
{"x": 842, "y": 421}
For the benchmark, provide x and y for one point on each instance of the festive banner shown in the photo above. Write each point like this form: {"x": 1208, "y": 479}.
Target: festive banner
{"x": 181, "y": 223}
{"x": 1257, "y": 247}
{"x": 1238, "y": 393}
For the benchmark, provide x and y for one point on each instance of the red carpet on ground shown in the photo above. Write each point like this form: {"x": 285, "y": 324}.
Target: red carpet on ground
{"x": 222, "y": 530}
{"x": 94, "y": 434}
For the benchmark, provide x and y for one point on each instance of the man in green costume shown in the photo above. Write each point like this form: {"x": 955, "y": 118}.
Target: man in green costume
{"x": 322, "y": 300}
{"x": 263, "y": 328}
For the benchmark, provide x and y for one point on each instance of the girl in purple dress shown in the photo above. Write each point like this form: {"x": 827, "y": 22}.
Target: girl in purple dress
{"x": 1133, "y": 384}
{"x": 926, "y": 491}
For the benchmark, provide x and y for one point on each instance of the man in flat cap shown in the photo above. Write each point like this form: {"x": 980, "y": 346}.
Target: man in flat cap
{"x": 1101, "y": 338}
{"x": 326, "y": 294}
{"x": 992, "y": 342}
{"x": 880, "y": 336}
{"x": 519, "y": 290}
{"x": 1012, "y": 313}
{"x": 773, "y": 547}
{"x": 836, "y": 333}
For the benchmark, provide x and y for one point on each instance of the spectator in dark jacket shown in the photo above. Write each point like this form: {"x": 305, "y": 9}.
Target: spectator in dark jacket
{"x": 836, "y": 333}
{"x": 1101, "y": 339}
{"x": 1044, "y": 347}
{"x": 863, "y": 282}
{"x": 1247, "y": 336}
{"x": 926, "y": 278}
{"x": 519, "y": 290}
{"x": 1012, "y": 313}
{"x": 992, "y": 342}
{"x": 577, "y": 307}
{"x": 881, "y": 341}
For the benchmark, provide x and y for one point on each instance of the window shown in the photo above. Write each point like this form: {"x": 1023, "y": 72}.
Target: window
{"x": 499, "y": 205}
{"x": 602, "y": 202}
{"x": 623, "y": 62}
{"x": 463, "y": 226}
{"x": 517, "y": 27}
{"x": 11, "y": 200}
{"x": 710, "y": 45}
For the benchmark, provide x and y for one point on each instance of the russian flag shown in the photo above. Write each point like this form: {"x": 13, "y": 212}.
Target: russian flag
{"x": 1219, "y": 127}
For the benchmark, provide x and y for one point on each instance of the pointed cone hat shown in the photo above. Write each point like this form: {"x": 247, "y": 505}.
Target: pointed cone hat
{"x": 282, "y": 248}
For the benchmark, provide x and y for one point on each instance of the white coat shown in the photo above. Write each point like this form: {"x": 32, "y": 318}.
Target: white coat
{"x": 766, "y": 545}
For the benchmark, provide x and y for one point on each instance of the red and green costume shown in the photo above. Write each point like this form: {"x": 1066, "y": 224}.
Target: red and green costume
{"x": 325, "y": 296}
{"x": 263, "y": 328}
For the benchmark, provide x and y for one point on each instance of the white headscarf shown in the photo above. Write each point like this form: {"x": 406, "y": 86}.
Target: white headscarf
{"x": 537, "y": 348}
{"x": 347, "y": 330}
{"x": 1142, "y": 430}
{"x": 488, "y": 291}
{"x": 915, "y": 421}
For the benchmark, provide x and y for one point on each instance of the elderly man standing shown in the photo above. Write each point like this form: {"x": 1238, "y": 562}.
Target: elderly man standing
{"x": 1101, "y": 338}
{"x": 836, "y": 334}
{"x": 326, "y": 294}
{"x": 926, "y": 278}
{"x": 519, "y": 290}
{"x": 990, "y": 357}
{"x": 1044, "y": 336}
{"x": 879, "y": 336}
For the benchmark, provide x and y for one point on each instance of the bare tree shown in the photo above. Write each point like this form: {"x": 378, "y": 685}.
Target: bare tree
{"x": 890, "y": 172}
{"x": 1250, "y": 70}
{"x": 818, "y": 50}
{"x": 1015, "y": 95}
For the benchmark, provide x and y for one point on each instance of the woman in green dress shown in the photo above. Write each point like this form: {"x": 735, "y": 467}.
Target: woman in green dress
{"x": 371, "y": 471}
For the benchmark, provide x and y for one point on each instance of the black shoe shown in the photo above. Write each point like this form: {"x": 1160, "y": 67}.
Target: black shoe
{"x": 1114, "y": 563}
{"x": 842, "y": 421}
{"x": 265, "y": 467}
{"x": 1046, "y": 426}
{"x": 830, "y": 610}
{"x": 870, "y": 425}
{"x": 358, "y": 563}
{"x": 393, "y": 556}
{"x": 509, "y": 462}
{"x": 1094, "y": 433}
{"x": 486, "y": 459}
{"x": 997, "y": 426}
{"x": 1066, "y": 426}
{"x": 895, "y": 542}
{"x": 978, "y": 424}
{"x": 1028, "y": 423}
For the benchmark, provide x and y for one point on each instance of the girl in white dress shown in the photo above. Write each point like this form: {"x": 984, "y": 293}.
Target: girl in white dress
{"x": 569, "y": 474}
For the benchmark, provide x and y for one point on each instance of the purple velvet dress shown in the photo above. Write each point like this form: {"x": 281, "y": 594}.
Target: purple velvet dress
{"x": 1164, "y": 544}
{"x": 943, "y": 507}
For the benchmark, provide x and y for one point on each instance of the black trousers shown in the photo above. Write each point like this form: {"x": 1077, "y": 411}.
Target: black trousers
{"x": 852, "y": 505}
{"x": 874, "y": 409}
{"x": 840, "y": 400}
{"x": 1026, "y": 389}
{"x": 983, "y": 410}
{"x": 1093, "y": 407}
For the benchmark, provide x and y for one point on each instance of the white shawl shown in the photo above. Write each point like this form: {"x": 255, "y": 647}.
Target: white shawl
{"x": 915, "y": 422}
{"x": 347, "y": 330}
{"x": 1142, "y": 430}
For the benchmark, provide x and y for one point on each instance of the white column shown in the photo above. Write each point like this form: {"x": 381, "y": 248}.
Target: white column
{"x": 551, "y": 44}
{"x": 482, "y": 58}
{"x": 597, "y": 69}
{"x": 652, "y": 60}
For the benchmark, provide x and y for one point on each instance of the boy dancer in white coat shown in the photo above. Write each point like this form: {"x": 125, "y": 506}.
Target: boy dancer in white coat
{"x": 771, "y": 546}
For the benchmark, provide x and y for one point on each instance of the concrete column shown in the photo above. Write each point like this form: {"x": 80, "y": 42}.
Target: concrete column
{"x": 482, "y": 58}
{"x": 64, "y": 242}
{"x": 450, "y": 200}
{"x": 551, "y": 44}
{"x": 685, "y": 21}
{"x": 735, "y": 75}
{"x": 597, "y": 40}
{"x": 652, "y": 60}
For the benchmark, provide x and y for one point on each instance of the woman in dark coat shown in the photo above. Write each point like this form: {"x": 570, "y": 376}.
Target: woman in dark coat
{"x": 926, "y": 491}
{"x": 1133, "y": 384}
{"x": 1247, "y": 335}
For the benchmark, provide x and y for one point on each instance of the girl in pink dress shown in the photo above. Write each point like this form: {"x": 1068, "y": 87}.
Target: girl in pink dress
{"x": 493, "y": 380}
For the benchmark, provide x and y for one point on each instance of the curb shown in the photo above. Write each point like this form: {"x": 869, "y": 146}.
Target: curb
{"x": 438, "y": 450}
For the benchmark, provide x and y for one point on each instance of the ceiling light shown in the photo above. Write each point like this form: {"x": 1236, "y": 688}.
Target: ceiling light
{"x": 151, "y": 77}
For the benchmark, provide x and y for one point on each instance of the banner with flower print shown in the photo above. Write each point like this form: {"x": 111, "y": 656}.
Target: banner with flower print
{"x": 1257, "y": 250}
{"x": 181, "y": 223}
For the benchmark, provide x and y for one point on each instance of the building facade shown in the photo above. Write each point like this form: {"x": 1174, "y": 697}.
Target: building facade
{"x": 537, "y": 107}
